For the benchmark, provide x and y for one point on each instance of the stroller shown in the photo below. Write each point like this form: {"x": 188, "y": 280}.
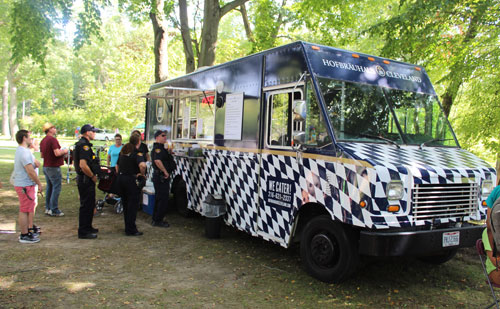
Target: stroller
{"x": 106, "y": 180}
{"x": 107, "y": 177}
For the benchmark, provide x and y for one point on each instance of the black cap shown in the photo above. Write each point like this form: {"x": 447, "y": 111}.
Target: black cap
{"x": 158, "y": 133}
{"x": 87, "y": 128}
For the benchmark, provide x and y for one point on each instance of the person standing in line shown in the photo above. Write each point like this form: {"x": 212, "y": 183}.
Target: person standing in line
{"x": 86, "y": 167}
{"x": 143, "y": 148}
{"x": 131, "y": 179}
{"x": 25, "y": 182}
{"x": 163, "y": 165}
{"x": 53, "y": 158}
{"x": 114, "y": 151}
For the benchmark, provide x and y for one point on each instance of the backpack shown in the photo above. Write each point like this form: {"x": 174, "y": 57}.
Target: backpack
{"x": 495, "y": 225}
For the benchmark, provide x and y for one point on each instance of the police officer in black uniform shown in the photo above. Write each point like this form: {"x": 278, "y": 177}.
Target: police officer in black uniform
{"x": 163, "y": 165}
{"x": 87, "y": 167}
{"x": 131, "y": 168}
{"x": 143, "y": 148}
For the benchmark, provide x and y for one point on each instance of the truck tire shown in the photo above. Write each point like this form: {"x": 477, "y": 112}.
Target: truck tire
{"x": 180, "y": 198}
{"x": 439, "y": 258}
{"x": 328, "y": 251}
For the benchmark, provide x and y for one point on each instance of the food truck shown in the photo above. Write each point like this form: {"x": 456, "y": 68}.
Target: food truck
{"x": 347, "y": 154}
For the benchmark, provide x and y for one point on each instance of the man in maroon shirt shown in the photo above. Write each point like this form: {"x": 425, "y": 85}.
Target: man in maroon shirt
{"x": 53, "y": 158}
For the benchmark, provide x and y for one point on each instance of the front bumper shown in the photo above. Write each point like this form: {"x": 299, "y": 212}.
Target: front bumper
{"x": 418, "y": 243}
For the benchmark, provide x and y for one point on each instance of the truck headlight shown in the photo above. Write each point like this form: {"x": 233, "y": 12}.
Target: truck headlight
{"x": 486, "y": 188}
{"x": 394, "y": 190}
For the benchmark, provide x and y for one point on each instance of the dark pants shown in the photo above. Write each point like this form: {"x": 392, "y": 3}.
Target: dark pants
{"x": 130, "y": 195}
{"x": 162, "y": 192}
{"x": 86, "y": 189}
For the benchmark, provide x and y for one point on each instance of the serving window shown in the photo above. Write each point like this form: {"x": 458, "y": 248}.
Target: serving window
{"x": 194, "y": 118}
{"x": 185, "y": 113}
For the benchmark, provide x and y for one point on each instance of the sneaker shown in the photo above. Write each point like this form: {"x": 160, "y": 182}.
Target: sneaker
{"x": 37, "y": 229}
{"x": 47, "y": 211}
{"x": 56, "y": 213}
{"x": 28, "y": 239}
{"x": 34, "y": 233}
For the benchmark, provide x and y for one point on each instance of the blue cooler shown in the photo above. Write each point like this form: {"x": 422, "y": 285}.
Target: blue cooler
{"x": 148, "y": 201}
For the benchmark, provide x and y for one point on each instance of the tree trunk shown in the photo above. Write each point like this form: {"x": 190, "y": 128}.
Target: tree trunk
{"x": 246, "y": 23}
{"x": 457, "y": 72}
{"x": 449, "y": 95}
{"x": 13, "y": 100}
{"x": 212, "y": 14}
{"x": 186, "y": 37}
{"x": 5, "y": 108}
{"x": 160, "y": 43}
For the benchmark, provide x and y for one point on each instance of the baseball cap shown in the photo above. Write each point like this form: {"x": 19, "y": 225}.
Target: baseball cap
{"x": 157, "y": 133}
{"x": 47, "y": 126}
{"x": 87, "y": 128}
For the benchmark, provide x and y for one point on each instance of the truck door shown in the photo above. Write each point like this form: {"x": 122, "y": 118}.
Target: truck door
{"x": 280, "y": 164}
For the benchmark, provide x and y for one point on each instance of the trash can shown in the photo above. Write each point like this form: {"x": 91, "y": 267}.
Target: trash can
{"x": 214, "y": 209}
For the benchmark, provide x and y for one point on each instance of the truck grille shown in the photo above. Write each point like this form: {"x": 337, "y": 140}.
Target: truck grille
{"x": 444, "y": 200}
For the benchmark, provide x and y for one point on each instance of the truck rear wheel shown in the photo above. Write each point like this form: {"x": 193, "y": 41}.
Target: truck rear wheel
{"x": 329, "y": 252}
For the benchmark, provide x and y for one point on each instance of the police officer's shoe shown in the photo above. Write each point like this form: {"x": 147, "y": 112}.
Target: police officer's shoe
{"x": 87, "y": 236}
{"x": 94, "y": 230}
{"x": 160, "y": 224}
{"x": 134, "y": 234}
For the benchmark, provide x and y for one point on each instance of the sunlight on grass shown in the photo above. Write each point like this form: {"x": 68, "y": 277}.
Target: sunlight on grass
{"x": 7, "y": 225}
{"x": 78, "y": 286}
{"x": 6, "y": 283}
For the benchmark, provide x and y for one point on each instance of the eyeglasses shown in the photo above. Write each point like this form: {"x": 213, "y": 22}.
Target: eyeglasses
{"x": 163, "y": 135}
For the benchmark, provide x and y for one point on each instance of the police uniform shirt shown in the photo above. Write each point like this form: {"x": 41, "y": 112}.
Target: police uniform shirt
{"x": 143, "y": 148}
{"x": 129, "y": 164}
{"x": 83, "y": 151}
{"x": 160, "y": 153}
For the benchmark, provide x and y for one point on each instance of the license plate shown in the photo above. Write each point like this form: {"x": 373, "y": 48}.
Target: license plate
{"x": 451, "y": 239}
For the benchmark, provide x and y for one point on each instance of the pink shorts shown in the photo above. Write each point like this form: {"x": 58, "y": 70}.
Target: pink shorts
{"x": 28, "y": 199}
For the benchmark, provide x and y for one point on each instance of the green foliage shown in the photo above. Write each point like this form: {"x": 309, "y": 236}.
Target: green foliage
{"x": 89, "y": 22}
{"x": 66, "y": 121}
{"x": 476, "y": 115}
{"x": 31, "y": 27}
{"x": 268, "y": 18}
{"x": 232, "y": 42}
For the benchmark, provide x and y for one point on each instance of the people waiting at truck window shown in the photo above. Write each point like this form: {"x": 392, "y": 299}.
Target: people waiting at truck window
{"x": 114, "y": 151}
{"x": 143, "y": 148}
{"x": 131, "y": 180}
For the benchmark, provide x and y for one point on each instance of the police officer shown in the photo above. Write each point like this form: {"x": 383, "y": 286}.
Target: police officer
{"x": 143, "y": 148}
{"x": 87, "y": 167}
{"x": 163, "y": 165}
{"x": 131, "y": 168}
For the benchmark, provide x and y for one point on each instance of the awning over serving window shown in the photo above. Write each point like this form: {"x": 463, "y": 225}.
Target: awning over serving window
{"x": 178, "y": 93}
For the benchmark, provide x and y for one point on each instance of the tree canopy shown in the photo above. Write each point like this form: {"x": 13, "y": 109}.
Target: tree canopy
{"x": 120, "y": 47}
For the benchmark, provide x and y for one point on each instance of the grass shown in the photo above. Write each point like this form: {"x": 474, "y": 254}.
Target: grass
{"x": 178, "y": 267}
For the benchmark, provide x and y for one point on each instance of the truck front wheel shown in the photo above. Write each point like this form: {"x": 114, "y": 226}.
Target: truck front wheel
{"x": 328, "y": 251}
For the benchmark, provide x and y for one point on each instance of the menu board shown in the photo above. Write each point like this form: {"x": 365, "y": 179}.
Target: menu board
{"x": 234, "y": 116}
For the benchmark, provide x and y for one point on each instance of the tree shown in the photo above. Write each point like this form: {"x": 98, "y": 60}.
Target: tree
{"x": 455, "y": 36}
{"x": 4, "y": 63}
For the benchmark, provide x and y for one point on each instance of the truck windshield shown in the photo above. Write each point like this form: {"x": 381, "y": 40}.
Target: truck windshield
{"x": 361, "y": 112}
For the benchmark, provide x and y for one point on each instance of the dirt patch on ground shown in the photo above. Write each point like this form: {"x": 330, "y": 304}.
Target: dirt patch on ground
{"x": 179, "y": 267}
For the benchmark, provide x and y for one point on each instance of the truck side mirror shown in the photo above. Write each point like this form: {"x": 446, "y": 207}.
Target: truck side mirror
{"x": 299, "y": 110}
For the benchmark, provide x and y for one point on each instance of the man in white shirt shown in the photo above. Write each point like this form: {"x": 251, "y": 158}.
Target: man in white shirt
{"x": 25, "y": 182}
